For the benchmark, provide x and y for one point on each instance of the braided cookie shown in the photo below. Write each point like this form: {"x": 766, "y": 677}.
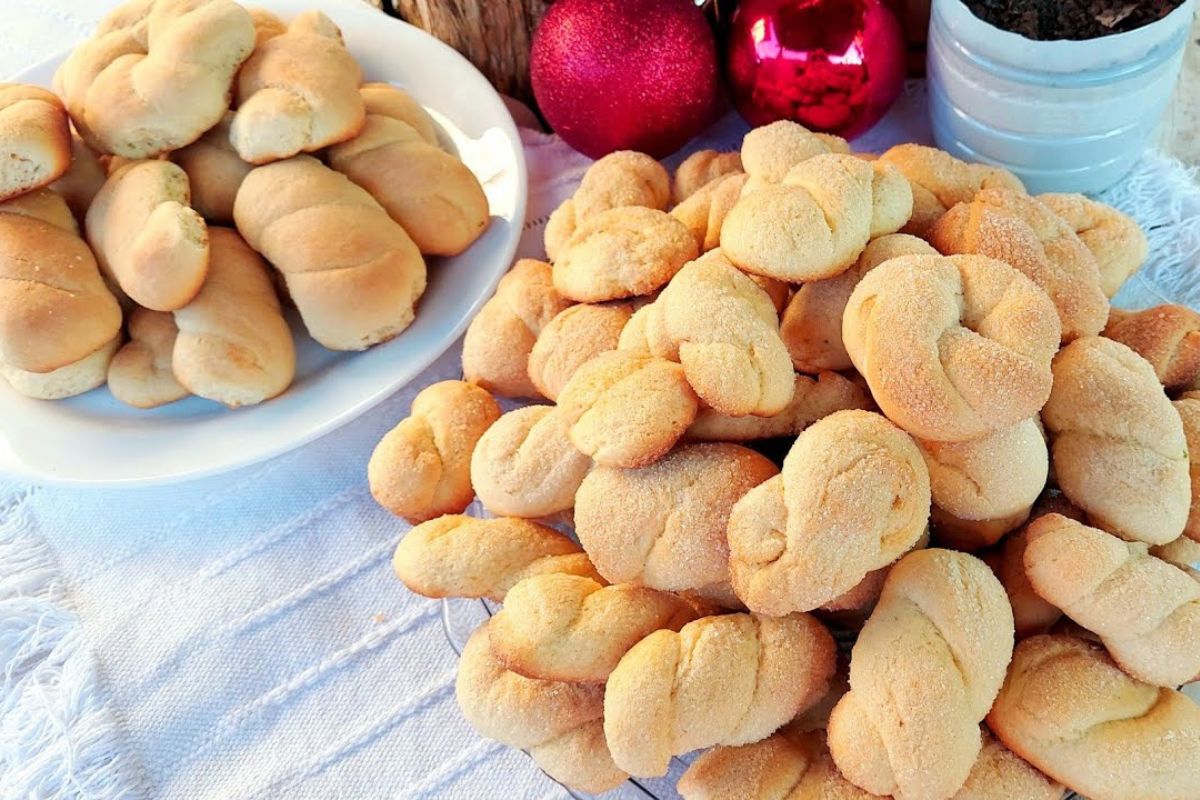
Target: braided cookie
{"x": 816, "y": 222}
{"x": 1167, "y": 336}
{"x": 35, "y": 139}
{"x": 953, "y": 348}
{"x": 1116, "y": 241}
{"x": 524, "y": 465}
{"x": 796, "y": 765}
{"x": 700, "y": 169}
{"x": 1146, "y": 611}
{"x": 575, "y": 336}
{"x": 813, "y": 398}
{"x": 560, "y": 724}
{"x": 421, "y": 468}
{"x": 724, "y": 330}
{"x": 298, "y": 93}
{"x": 768, "y": 152}
{"x": 730, "y": 680}
{"x": 155, "y": 75}
{"x": 500, "y": 339}
{"x": 55, "y": 309}
{"x": 626, "y": 410}
{"x": 146, "y": 236}
{"x": 1020, "y": 231}
{"x": 940, "y": 181}
{"x": 811, "y": 325}
{"x": 353, "y": 290}
{"x": 622, "y": 252}
{"x": 570, "y": 628}
{"x": 923, "y": 674}
{"x": 1119, "y": 449}
{"x": 457, "y": 556}
{"x": 853, "y": 497}
{"x": 704, "y": 211}
{"x": 1071, "y": 712}
{"x": 664, "y": 525}
{"x": 432, "y": 194}
{"x": 985, "y": 487}
{"x": 234, "y": 346}
{"x": 617, "y": 180}
{"x": 140, "y": 375}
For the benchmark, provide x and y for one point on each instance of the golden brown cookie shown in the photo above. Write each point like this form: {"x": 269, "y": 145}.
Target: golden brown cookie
{"x": 1116, "y": 241}
{"x": 575, "y": 336}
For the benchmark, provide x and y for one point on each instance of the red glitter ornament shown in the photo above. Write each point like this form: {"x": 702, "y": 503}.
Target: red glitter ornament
{"x": 625, "y": 74}
{"x": 831, "y": 65}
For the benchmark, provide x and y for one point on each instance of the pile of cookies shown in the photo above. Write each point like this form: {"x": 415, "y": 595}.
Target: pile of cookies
{"x": 986, "y": 487}
{"x": 199, "y": 144}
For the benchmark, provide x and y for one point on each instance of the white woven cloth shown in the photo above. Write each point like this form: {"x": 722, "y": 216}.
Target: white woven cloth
{"x": 243, "y": 636}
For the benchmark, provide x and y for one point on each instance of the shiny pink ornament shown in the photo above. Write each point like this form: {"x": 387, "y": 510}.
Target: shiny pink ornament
{"x": 831, "y": 65}
{"x": 625, "y": 74}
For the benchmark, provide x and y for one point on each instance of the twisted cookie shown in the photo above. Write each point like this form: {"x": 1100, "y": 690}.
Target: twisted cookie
{"x": 457, "y": 556}
{"x": 147, "y": 237}
{"x": 570, "y": 628}
{"x": 575, "y": 336}
{"x": 1146, "y": 611}
{"x": 524, "y": 465}
{"x": 769, "y": 151}
{"x": 500, "y": 339}
{"x": 1071, "y": 712}
{"x": 723, "y": 329}
{"x": 421, "y": 468}
{"x": 940, "y": 181}
{"x": 1116, "y": 241}
{"x": 234, "y": 345}
{"x": 731, "y": 680}
{"x": 35, "y": 139}
{"x": 140, "y": 375}
{"x": 1119, "y": 449}
{"x": 853, "y": 497}
{"x": 923, "y": 674}
{"x": 952, "y": 347}
{"x": 432, "y": 194}
{"x": 353, "y": 290}
{"x": 626, "y": 410}
{"x": 617, "y": 180}
{"x": 560, "y": 724}
{"x": 297, "y": 93}
{"x": 1015, "y": 228}
{"x": 623, "y": 252}
{"x": 1167, "y": 336}
{"x": 816, "y": 222}
{"x": 811, "y": 325}
{"x": 812, "y": 399}
{"x": 156, "y": 74}
{"x": 55, "y": 309}
{"x": 664, "y": 525}
{"x": 700, "y": 169}
{"x": 796, "y": 765}
{"x": 215, "y": 172}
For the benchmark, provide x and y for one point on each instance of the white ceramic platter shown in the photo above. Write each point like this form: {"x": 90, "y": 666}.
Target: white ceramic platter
{"x": 94, "y": 439}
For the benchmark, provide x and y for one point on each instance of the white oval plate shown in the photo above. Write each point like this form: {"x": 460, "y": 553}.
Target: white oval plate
{"x": 94, "y": 439}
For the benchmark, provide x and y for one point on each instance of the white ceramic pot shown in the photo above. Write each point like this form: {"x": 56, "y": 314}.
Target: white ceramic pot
{"x": 1069, "y": 116}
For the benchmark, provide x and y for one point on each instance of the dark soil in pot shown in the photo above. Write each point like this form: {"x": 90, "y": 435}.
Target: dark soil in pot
{"x": 1070, "y": 19}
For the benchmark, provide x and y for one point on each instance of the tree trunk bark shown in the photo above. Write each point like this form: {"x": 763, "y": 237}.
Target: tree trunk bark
{"x": 494, "y": 35}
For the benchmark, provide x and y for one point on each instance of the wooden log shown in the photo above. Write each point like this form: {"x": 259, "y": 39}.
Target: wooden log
{"x": 495, "y": 35}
